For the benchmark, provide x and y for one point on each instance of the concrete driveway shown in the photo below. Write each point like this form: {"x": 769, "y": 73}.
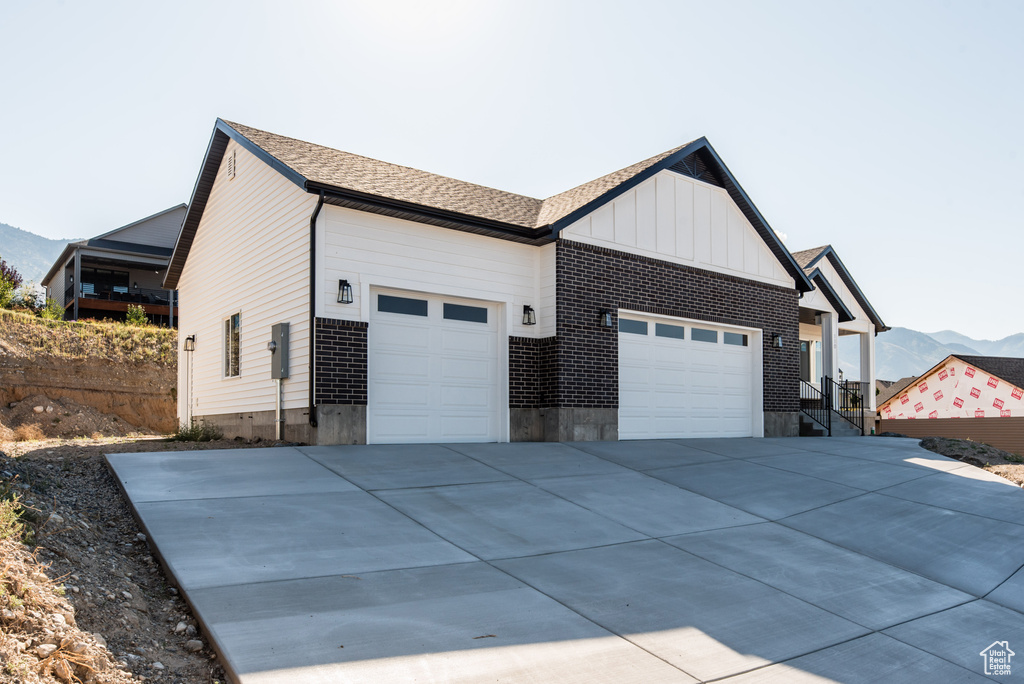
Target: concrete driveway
{"x": 768, "y": 560}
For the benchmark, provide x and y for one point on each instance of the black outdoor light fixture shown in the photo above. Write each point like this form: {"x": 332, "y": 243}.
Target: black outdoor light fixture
{"x": 777, "y": 340}
{"x": 605, "y": 318}
{"x": 529, "y": 315}
{"x": 190, "y": 343}
{"x": 344, "y": 292}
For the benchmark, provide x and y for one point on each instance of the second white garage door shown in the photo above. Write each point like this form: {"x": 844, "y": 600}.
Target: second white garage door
{"x": 683, "y": 379}
{"x": 433, "y": 369}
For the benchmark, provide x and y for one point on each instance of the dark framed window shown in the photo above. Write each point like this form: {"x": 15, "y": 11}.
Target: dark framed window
{"x": 738, "y": 339}
{"x": 402, "y": 305}
{"x": 669, "y": 330}
{"x": 703, "y": 335}
{"x": 232, "y": 345}
{"x": 635, "y": 327}
{"x": 461, "y": 312}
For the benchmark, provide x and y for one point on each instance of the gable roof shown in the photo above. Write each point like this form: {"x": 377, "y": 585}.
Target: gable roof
{"x": 808, "y": 260}
{"x": 358, "y": 182}
{"x": 1006, "y": 368}
{"x": 180, "y": 208}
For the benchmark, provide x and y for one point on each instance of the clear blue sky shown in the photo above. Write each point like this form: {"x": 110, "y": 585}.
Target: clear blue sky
{"x": 892, "y": 130}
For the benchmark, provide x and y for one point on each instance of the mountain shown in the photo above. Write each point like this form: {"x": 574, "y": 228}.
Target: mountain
{"x": 902, "y": 352}
{"x": 30, "y": 254}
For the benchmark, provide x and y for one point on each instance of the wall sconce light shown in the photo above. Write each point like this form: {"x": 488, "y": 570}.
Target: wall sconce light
{"x": 344, "y": 292}
{"x": 529, "y": 315}
{"x": 136, "y": 284}
{"x": 190, "y": 343}
{"x": 605, "y": 318}
{"x": 777, "y": 340}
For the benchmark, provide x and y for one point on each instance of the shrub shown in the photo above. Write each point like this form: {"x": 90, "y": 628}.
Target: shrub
{"x": 52, "y": 311}
{"x": 29, "y": 432}
{"x": 10, "y": 281}
{"x": 136, "y": 315}
{"x": 197, "y": 432}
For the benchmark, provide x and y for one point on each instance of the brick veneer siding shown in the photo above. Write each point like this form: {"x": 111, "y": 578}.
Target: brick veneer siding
{"x": 531, "y": 372}
{"x": 340, "y": 362}
{"x": 591, "y": 278}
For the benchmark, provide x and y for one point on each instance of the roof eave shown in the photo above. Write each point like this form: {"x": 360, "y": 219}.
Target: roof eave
{"x": 844, "y": 273}
{"x": 833, "y": 298}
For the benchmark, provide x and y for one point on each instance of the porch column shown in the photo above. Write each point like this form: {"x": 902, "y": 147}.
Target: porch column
{"x": 867, "y": 366}
{"x": 829, "y": 346}
{"x": 78, "y": 281}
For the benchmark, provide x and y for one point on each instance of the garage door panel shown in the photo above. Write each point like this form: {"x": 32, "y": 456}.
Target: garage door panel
{"x": 682, "y": 387}
{"x": 434, "y": 378}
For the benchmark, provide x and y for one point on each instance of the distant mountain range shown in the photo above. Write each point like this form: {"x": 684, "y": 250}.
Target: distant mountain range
{"x": 31, "y": 255}
{"x": 903, "y": 352}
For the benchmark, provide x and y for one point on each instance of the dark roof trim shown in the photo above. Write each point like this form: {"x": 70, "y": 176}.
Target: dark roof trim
{"x": 845, "y": 315}
{"x": 61, "y": 260}
{"x": 880, "y": 327}
{"x": 143, "y": 220}
{"x": 736, "y": 192}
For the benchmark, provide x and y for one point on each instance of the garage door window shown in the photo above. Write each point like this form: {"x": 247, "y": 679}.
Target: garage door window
{"x": 461, "y": 312}
{"x": 702, "y": 335}
{"x": 666, "y": 330}
{"x": 735, "y": 338}
{"x": 635, "y": 327}
{"x": 402, "y": 305}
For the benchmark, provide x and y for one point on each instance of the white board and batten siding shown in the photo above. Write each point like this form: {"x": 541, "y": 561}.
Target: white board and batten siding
{"x": 861, "y": 322}
{"x": 250, "y": 256}
{"x": 678, "y": 219}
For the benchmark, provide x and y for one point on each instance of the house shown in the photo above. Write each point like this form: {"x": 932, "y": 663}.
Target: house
{"x": 653, "y": 302}
{"x": 965, "y": 397}
{"x": 113, "y": 270}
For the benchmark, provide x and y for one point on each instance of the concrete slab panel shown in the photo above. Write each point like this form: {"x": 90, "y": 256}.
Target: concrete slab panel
{"x": 852, "y": 472}
{"x": 853, "y": 586}
{"x": 1010, "y": 593}
{"x": 506, "y": 519}
{"x": 749, "y": 447}
{"x": 213, "y": 542}
{"x": 964, "y": 490}
{"x": 648, "y": 454}
{"x": 458, "y": 623}
{"x": 874, "y": 659}
{"x": 220, "y": 473}
{"x": 382, "y": 466}
{"x": 960, "y": 634}
{"x": 698, "y": 616}
{"x": 534, "y": 460}
{"x": 964, "y": 551}
{"x": 646, "y": 504}
{"x": 766, "y": 492}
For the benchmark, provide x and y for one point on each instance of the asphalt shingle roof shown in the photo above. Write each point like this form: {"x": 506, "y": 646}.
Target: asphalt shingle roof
{"x": 1006, "y": 368}
{"x": 327, "y": 166}
{"x": 808, "y": 256}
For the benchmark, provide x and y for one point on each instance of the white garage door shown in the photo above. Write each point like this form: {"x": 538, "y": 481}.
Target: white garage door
{"x": 682, "y": 379}
{"x": 433, "y": 371}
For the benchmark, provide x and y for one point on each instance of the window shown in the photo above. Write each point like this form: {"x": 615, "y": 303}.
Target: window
{"x": 401, "y": 305}
{"x": 738, "y": 339}
{"x": 636, "y": 327}
{"x": 702, "y": 335}
{"x": 232, "y": 335}
{"x": 461, "y": 312}
{"x": 667, "y": 330}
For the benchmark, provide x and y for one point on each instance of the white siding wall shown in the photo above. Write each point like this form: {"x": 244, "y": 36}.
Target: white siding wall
{"x": 370, "y": 250}
{"x": 250, "y": 255}
{"x": 159, "y": 231}
{"x": 845, "y": 294}
{"x": 57, "y": 285}
{"x": 679, "y": 219}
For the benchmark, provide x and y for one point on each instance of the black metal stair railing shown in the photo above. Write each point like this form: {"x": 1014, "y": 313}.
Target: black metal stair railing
{"x": 847, "y": 401}
{"x": 815, "y": 404}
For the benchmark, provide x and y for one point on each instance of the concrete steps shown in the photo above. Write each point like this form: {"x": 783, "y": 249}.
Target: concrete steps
{"x": 840, "y": 427}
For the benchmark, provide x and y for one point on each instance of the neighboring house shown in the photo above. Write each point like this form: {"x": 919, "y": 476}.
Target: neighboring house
{"x": 100, "y": 277}
{"x": 968, "y": 397}
{"x": 653, "y": 302}
{"x": 836, "y": 307}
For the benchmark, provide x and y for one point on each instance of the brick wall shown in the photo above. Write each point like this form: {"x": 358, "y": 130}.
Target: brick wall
{"x": 340, "y": 362}
{"x": 591, "y": 278}
{"x": 531, "y": 372}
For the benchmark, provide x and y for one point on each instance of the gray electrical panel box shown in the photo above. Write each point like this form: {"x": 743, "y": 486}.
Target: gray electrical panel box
{"x": 278, "y": 347}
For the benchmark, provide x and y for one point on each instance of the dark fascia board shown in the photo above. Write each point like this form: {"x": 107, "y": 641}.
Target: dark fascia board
{"x": 142, "y": 220}
{"x": 736, "y": 192}
{"x": 845, "y": 315}
{"x": 844, "y": 273}
{"x": 61, "y": 260}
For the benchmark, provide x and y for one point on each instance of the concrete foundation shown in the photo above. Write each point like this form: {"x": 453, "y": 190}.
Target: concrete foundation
{"x": 779, "y": 424}
{"x": 341, "y": 424}
{"x": 526, "y": 425}
{"x": 580, "y": 424}
{"x": 253, "y": 424}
